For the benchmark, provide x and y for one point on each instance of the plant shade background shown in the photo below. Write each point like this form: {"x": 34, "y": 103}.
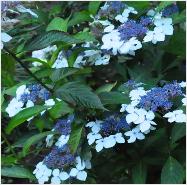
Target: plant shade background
{"x": 160, "y": 158}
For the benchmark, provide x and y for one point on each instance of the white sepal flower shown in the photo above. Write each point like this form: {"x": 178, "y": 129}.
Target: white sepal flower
{"x": 42, "y": 173}
{"x": 92, "y": 137}
{"x": 136, "y": 94}
{"x": 165, "y": 24}
{"x": 134, "y": 134}
{"x": 124, "y": 16}
{"x": 56, "y": 177}
{"x": 79, "y": 172}
{"x": 154, "y": 36}
{"x": 14, "y": 107}
{"x": 109, "y": 142}
{"x": 111, "y": 41}
{"x": 176, "y": 116}
{"x": 130, "y": 46}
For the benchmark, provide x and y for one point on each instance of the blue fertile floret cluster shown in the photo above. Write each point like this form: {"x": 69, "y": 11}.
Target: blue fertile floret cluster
{"x": 131, "y": 29}
{"x": 36, "y": 92}
{"x": 160, "y": 97}
{"x": 63, "y": 126}
{"x": 114, "y": 123}
{"x": 59, "y": 158}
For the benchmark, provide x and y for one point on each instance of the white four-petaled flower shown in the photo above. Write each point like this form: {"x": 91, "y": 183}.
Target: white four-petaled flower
{"x": 134, "y": 134}
{"x": 176, "y": 116}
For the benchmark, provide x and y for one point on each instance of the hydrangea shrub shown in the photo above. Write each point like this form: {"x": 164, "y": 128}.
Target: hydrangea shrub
{"x": 93, "y": 88}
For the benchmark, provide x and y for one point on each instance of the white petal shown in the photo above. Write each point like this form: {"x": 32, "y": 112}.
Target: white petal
{"x": 132, "y": 139}
{"x": 73, "y": 172}
{"x": 56, "y": 172}
{"x": 82, "y": 175}
{"x": 171, "y": 119}
{"x": 90, "y": 124}
{"x": 180, "y": 118}
{"x": 109, "y": 142}
{"x": 5, "y": 37}
{"x": 109, "y": 28}
{"x": 148, "y": 37}
{"x": 140, "y": 136}
{"x": 47, "y": 172}
{"x": 43, "y": 179}
{"x": 64, "y": 176}
{"x": 144, "y": 126}
{"x": 119, "y": 138}
{"x": 20, "y": 90}
{"x": 150, "y": 115}
{"x": 29, "y": 104}
{"x": 168, "y": 115}
{"x": 131, "y": 117}
{"x": 140, "y": 119}
{"x": 168, "y": 30}
{"x": 81, "y": 165}
{"x": 96, "y": 128}
{"x": 123, "y": 107}
{"x": 50, "y": 102}
{"x": 55, "y": 180}
{"x": 130, "y": 109}
{"x": 178, "y": 112}
{"x": 99, "y": 146}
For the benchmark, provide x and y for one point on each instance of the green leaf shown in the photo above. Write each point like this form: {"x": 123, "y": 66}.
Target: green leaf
{"x": 79, "y": 17}
{"x": 86, "y": 36}
{"x": 113, "y": 98}
{"x": 75, "y": 137}
{"x": 45, "y": 72}
{"x": 106, "y": 88}
{"x": 139, "y": 173}
{"x": 58, "y": 24}
{"x": 17, "y": 172}
{"x": 59, "y": 74}
{"x": 93, "y": 7}
{"x": 34, "y": 139}
{"x": 22, "y": 116}
{"x": 8, "y": 70}
{"x": 178, "y": 39}
{"x": 139, "y": 6}
{"x": 179, "y": 18}
{"x": 59, "y": 109}
{"x": 172, "y": 172}
{"x": 49, "y": 38}
{"x": 178, "y": 131}
{"x": 163, "y": 5}
{"x": 8, "y": 160}
{"x": 78, "y": 94}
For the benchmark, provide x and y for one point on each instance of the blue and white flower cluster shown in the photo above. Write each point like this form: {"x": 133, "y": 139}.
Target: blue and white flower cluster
{"x": 119, "y": 32}
{"x": 137, "y": 118}
{"x": 60, "y": 164}
{"x": 129, "y": 36}
{"x": 27, "y": 96}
